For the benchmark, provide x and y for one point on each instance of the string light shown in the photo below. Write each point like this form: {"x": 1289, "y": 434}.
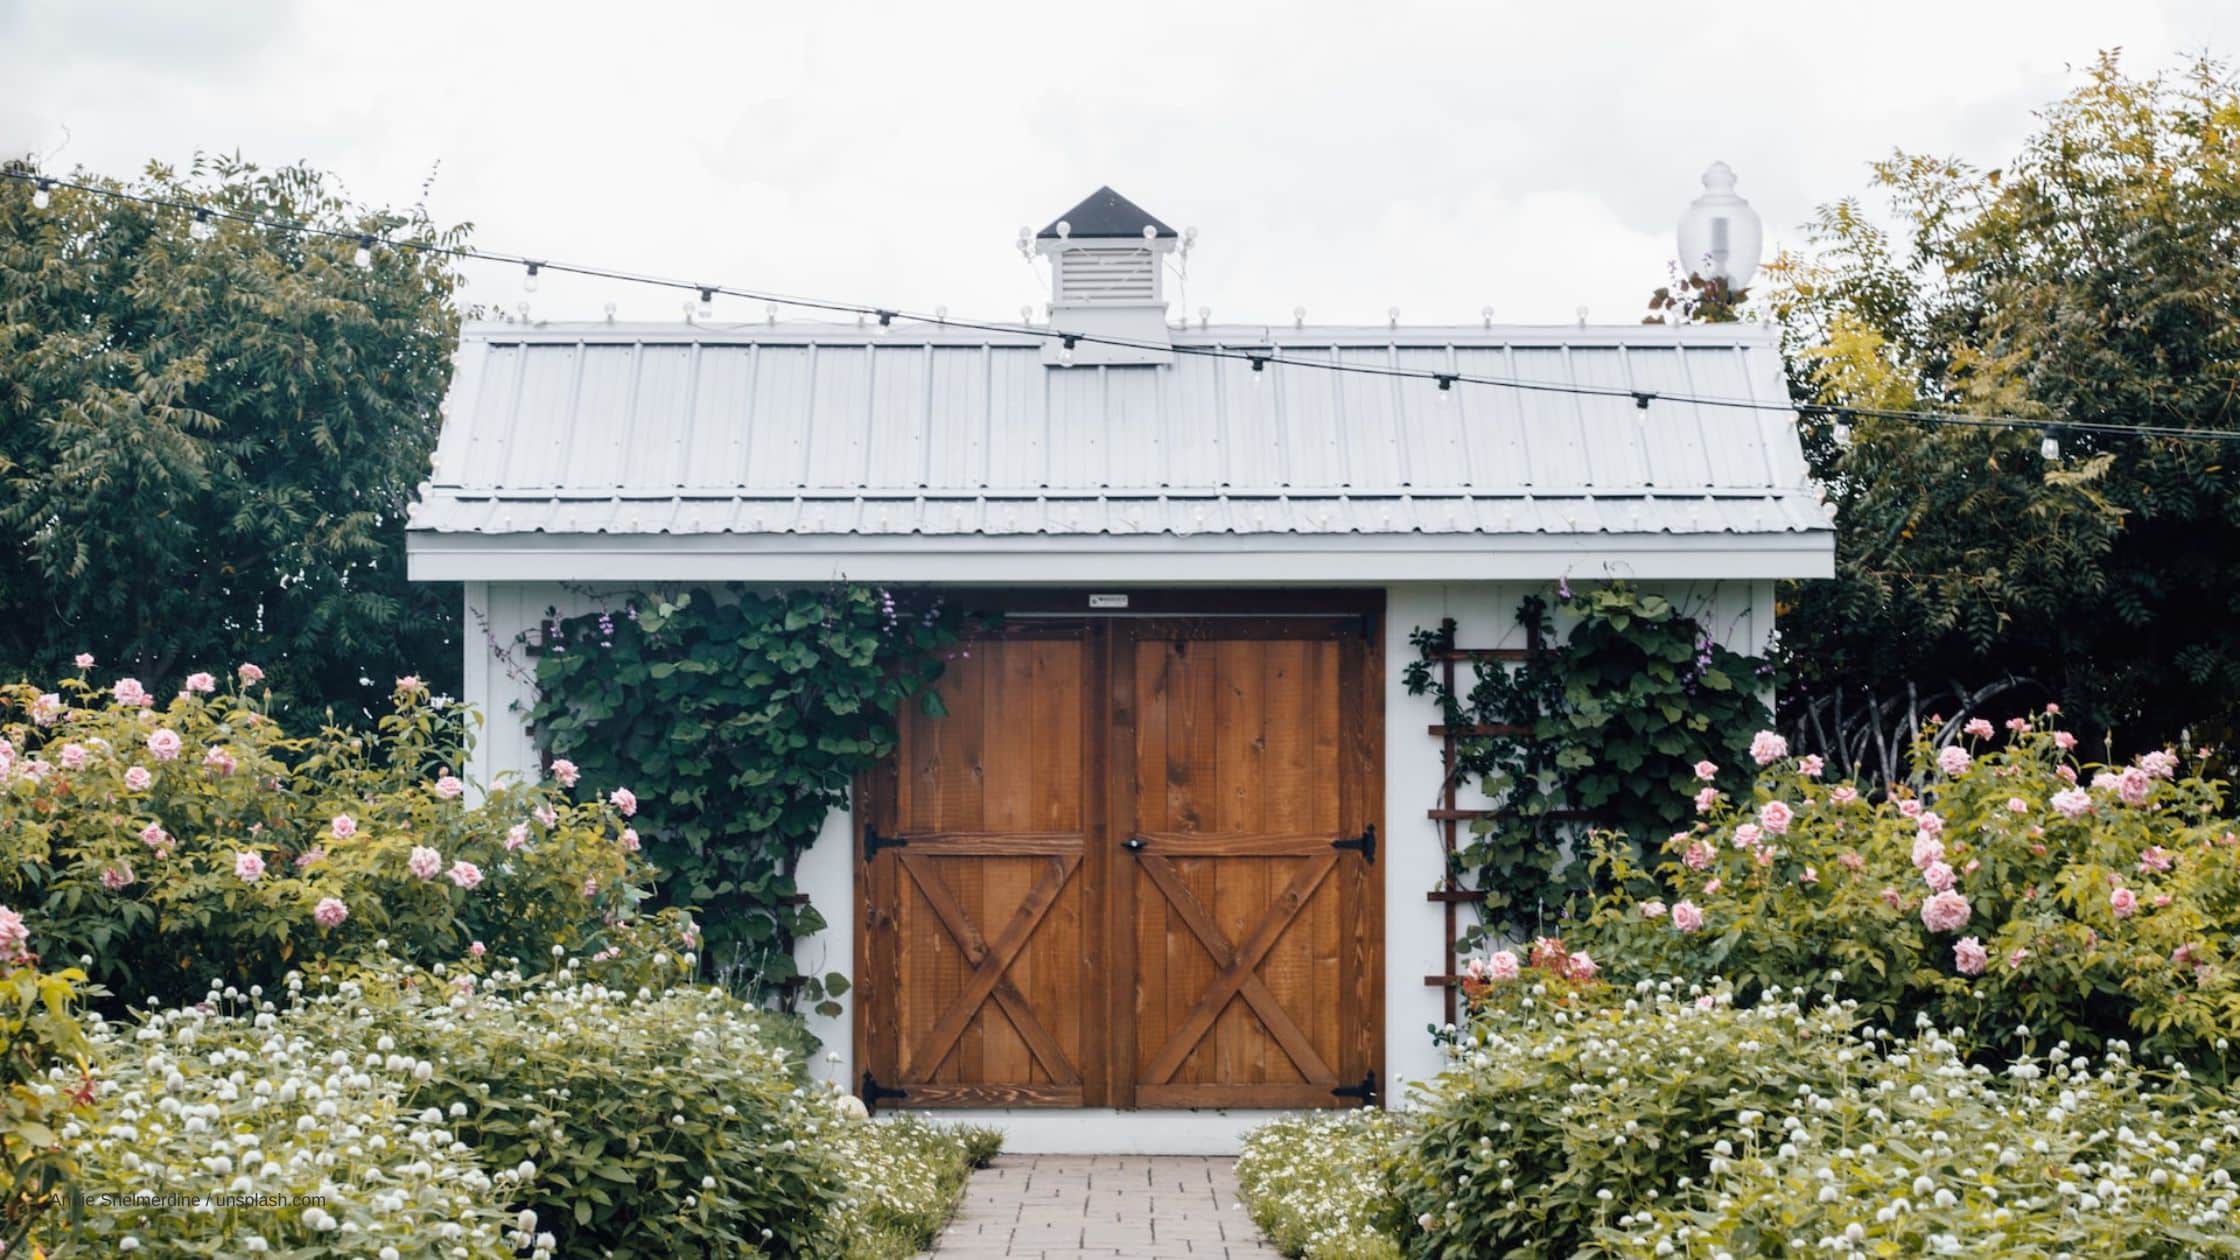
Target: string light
{"x": 1446, "y": 386}
{"x": 1842, "y": 414}
{"x": 2050, "y": 447}
{"x": 886, "y": 322}
{"x": 1065, "y": 346}
{"x": 529, "y": 279}
{"x": 200, "y": 228}
{"x": 707, "y": 307}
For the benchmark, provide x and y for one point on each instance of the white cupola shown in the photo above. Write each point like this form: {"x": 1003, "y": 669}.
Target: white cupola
{"x": 1108, "y": 279}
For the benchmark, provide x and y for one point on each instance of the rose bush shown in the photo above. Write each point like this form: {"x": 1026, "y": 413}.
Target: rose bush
{"x": 172, "y": 841}
{"x": 2021, "y": 893}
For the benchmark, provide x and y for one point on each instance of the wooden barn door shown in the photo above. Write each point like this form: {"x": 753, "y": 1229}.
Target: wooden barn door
{"x": 1131, "y": 866}
{"x": 1247, "y": 927}
{"x": 983, "y": 930}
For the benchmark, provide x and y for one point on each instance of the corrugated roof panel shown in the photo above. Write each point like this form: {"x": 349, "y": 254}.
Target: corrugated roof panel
{"x": 839, "y": 451}
{"x": 1732, "y": 452}
{"x": 1135, "y": 422}
{"x": 897, "y": 454}
{"x": 1190, "y": 423}
{"x": 1372, "y": 441}
{"x": 660, "y": 416}
{"x": 1308, "y": 409}
{"x": 1490, "y": 422}
{"x": 1080, "y": 429}
{"x": 1254, "y": 449}
{"x": 1671, "y": 432}
{"x": 599, "y": 429}
{"x": 779, "y": 411}
{"x": 1610, "y": 425}
{"x": 1432, "y": 423}
{"x": 1784, "y": 454}
{"x": 714, "y": 449}
{"x": 543, "y": 411}
{"x": 1018, "y": 431}
{"x": 957, "y": 445}
{"x": 1559, "y": 455}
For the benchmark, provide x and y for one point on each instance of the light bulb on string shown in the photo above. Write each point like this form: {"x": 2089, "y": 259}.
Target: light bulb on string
{"x": 1842, "y": 432}
{"x": 1259, "y": 370}
{"x": 529, "y": 278}
{"x": 1065, "y": 348}
{"x": 1446, "y": 387}
{"x": 200, "y": 227}
{"x": 886, "y": 323}
{"x": 41, "y": 198}
{"x": 363, "y": 257}
{"x": 707, "y": 307}
{"x": 2050, "y": 447}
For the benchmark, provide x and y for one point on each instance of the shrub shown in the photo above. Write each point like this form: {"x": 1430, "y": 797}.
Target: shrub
{"x": 237, "y": 1133}
{"x": 168, "y": 844}
{"x": 903, "y": 1177}
{"x": 2021, "y": 894}
{"x": 1316, "y": 1185}
{"x": 43, "y": 1085}
{"x": 644, "y": 1123}
{"x": 1918, "y": 1152}
{"x": 1566, "y": 1103}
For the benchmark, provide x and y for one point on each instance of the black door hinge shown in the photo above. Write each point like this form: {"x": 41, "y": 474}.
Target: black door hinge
{"x": 873, "y": 1093}
{"x": 1365, "y": 844}
{"x": 1365, "y": 1092}
{"x": 873, "y": 842}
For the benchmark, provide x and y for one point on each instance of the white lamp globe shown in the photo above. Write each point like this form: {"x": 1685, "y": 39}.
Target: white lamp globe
{"x": 1720, "y": 235}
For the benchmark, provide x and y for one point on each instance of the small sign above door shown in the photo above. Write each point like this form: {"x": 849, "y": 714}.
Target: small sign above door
{"x": 1108, "y": 601}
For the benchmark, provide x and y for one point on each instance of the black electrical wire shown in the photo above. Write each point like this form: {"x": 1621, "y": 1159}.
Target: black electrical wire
{"x": 1259, "y": 357}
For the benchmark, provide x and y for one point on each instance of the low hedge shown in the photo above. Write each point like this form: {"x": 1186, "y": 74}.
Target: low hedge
{"x": 1317, "y": 1185}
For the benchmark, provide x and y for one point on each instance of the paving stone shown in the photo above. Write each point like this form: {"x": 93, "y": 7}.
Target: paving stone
{"x": 1073, "y": 1207}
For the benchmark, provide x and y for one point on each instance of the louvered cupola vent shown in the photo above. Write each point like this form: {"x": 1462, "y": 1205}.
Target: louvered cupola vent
{"x": 1107, "y": 266}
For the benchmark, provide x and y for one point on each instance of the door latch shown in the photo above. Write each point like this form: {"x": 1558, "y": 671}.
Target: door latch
{"x": 1365, "y": 1092}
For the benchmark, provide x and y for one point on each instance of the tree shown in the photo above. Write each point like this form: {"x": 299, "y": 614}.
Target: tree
{"x": 2095, "y": 280}
{"x": 207, "y": 445}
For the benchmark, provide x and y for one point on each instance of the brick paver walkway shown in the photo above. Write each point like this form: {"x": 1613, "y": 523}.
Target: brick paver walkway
{"x": 1101, "y": 1207}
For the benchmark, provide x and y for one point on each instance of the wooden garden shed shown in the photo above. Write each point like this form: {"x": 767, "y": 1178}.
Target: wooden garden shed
{"x": 1166, "y": 862}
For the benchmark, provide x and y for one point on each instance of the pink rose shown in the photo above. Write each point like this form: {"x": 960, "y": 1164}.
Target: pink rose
{"x": 2158, "y": 764}
{"x": 1503, "y": 965}
{"x": 1844, "y": 795}
{"x": 625, "y": 800}
{"x": 477, "y": 949}
{"x": 1946, "y": 911}
{"x": 591, "y": 887}
{"x": 1937, "y": 876}
{"x": 1926, "y": 849}
{"x": 1910, "y": 807}
{"x": 47, "y": 709}
{"x": 1698, "y": 856}
{"x": 137, "y": 779}
{"x": 2132, "y": 785}
{"x": 465, "y": 874}
{"x": 308, "y": 856}
{"x": 449, "y": 787}
{"x": 130, "y": 693}
{"x": 1653, "y": 909}
{"x": 630, "y": 839}
{"x": 1810, "y": 876}
{"x": 1706, "y": 771}
{"x": 545, "y": 814}
{"x": 85, "y": 660}
{"x": 248, "y": 867}
{"x": 1811, "y": 766}
{"x": 1687, "y": 916}
{"x": 2161, "y": 900}
{"x": 1705, "y": 799}
{"x": 2016, "y": 805}
{"x": 1747, "y": 835}
{"x": 343, "y": 827}
{"x": 2016, "y": 957}
{"x": 329, "y": 913}
{"x": 1776, "y": 817}
{"x": 516, "y": 836}
{"x": 1765, "y": 856}
{"x": 1767, "y": 748}
{"x": 2123, "y": 901}
{"x": 116, "y": 878}
{"x": 2052, "y": 709}
{"x": 163, "y": 744}
{"x": 219, "y": 761}
{"x": 1850, "y": 860}
{"x": 2156, "y": 858}
{"x": 1969, "y": 956}
{"x": 2018, "y": 724}
{"x": 2072, "y": 802}
{"x": 1979, "y": 728}
{"x": 1712, "y": 888}
{"x": 564, "y": 772}
{"x": 2064, "y": 741}
{"x": 409, "y": 683}
{"x": 424, "y": 862}
{"x": 15, "y": 938}
{"x": 250, "y": 675}
{"x": 201, "y": 683}
{"x": 1930, "y": 824}
{"x": 155, "y": 837}
{"x": 1579, "y": 967}
{"x": 72, "y": 756}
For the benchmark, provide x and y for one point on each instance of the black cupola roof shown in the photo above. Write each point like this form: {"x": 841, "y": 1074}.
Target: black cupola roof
{"x": 1105, "y": 213}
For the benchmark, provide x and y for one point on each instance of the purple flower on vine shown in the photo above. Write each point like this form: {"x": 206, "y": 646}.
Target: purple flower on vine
{"x": 1563, "y": 588}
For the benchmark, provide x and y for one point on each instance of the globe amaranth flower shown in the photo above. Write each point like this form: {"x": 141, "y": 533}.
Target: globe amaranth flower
{"x": 248, "y": 866}
{"x": 329, "y": 913}
{"x": 1767, "y": 748}
{"x": 1687, "y": 916}
{"x": 163, "y": 744}
{"x": 1969, "y": 957}
{"x": 424, "y": 862}
{"x": 1946, "y": 911}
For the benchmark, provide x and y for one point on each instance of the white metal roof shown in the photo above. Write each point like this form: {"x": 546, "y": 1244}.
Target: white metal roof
{"x": 618, "y": 452}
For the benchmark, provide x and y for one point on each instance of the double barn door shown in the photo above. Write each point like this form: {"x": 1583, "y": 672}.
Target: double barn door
{"x": 1132, "y": 865}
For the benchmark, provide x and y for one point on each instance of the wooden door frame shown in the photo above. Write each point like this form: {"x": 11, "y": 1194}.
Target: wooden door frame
{"x": 1109, "y": 692}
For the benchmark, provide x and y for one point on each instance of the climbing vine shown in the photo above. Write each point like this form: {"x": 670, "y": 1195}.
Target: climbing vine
{"x": 1603, "y": 729}
{"x": 740, "y": 722}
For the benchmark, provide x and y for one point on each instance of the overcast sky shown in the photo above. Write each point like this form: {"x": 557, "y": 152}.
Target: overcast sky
{"x": 1342, "y": 157}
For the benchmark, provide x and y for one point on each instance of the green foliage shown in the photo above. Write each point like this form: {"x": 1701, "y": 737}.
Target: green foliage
{"x": 43, "y": 1088}
{"x": 144, "y": 877}
{"x": 1914, "y": 1152}
{"x": 903, "y": 1178}
{"x": 2094, "y": 279}
{"x": 1607, "y": 724}
{"x": 207, "y": 447}
{"x": 2100, "y": 902}
{"x": 741, "y": 721}
{"x": 229, "y": 1129}
{"x": 1316, "y": 1184}
{"x": 1567, "y": 1107}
